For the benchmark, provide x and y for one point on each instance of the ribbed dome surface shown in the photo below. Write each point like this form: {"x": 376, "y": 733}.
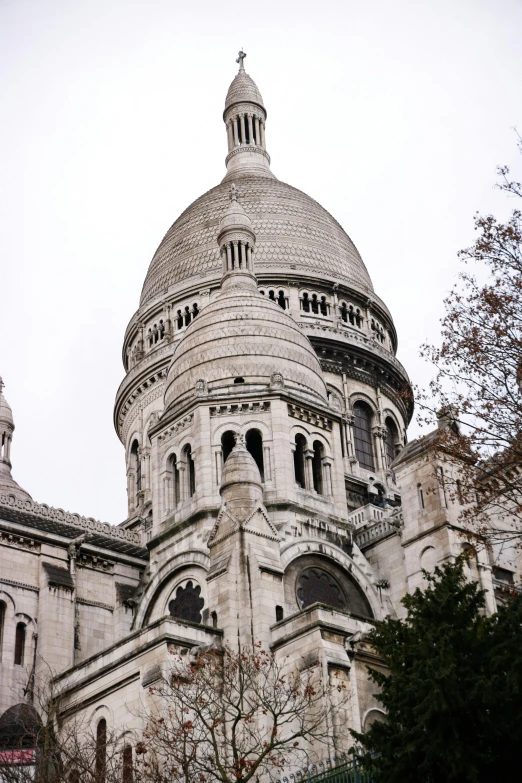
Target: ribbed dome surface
{"x": 293, "y": 232}
{"x": 242, "y": 333}
{"x": 243, "y": 89}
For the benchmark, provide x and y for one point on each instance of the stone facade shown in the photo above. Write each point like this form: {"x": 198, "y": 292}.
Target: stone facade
{"x": 272, "y": 495}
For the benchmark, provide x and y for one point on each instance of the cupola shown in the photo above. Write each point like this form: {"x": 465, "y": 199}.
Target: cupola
{"x": 245, "y": 118}
{"x": 236, "y": 240}
{"x": 241, "y": 489}
{"x": 7, "y": 483}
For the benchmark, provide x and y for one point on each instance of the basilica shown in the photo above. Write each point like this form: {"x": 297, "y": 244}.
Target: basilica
{"x": 273, "y": 495}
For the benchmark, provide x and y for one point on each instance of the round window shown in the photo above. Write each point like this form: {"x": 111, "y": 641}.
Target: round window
{"x": 317, "y": 586}
{"x": 187, "y": 604}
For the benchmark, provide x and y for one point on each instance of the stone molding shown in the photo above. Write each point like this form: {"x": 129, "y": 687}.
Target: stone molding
{"x": 310, "y": 417}
{"x": 19, "y": 542}
{"x": 97, "y": 604}
{"x": 44, "y": 511}
{"x": 259, "y": 406}
{"x": 248, "y": 148}
{"x": 182, "y": 424}
{"x": 23, "y": 585}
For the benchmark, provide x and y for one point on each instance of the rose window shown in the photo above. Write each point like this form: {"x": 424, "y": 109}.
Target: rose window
{"x": 187, "y": 604}
{"x": 317, "y": 586}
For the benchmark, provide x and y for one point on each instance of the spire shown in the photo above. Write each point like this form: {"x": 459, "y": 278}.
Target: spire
{"x": 236, "y": 240}
{"x": 245, "y": 117}
{"x": 7, "y": 483}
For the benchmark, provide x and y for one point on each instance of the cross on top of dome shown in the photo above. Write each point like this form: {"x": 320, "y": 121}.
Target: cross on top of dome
{"x": 240, "y": 57}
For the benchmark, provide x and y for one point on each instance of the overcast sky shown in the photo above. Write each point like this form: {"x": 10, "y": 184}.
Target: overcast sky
{"x": 393, "y": 115}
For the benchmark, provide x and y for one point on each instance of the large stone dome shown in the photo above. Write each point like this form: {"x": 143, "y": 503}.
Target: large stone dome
{"x": 293, "y": 232}
{"x": 242, "y": 336}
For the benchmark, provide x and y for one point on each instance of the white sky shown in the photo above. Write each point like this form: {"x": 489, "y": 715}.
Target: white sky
{"x": 393, "y": 115}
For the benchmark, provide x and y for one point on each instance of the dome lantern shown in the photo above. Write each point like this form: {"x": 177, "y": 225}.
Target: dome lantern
{"x": 236, "y": 240}
{"x": 245, "y": 117}
{"x": 7, "y": 483}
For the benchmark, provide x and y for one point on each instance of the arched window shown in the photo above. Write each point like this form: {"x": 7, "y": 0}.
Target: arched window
{"x": 299, "y": 460}
{"x": 161, "y": 330}
{"x": 392, "y": 437}
{"x": 324, "y": 306}
{"x": 306, "y": 303}
{"x": 315, "y": 304}
{"x": 101, "y": 750}
{"x": 344, "y": 312}
{"x": 254, "y": 444}
{"x": 228, "y": 440}
{"x": 20, "y": 644}
{"x": 362, "y": 430}
{"x": 187, "y": 604}
{"x": 179, "y": 320}
{"x": 188, "y": 315}
{"x": 136, "y": 464}
{"x": 281, "y": 299}
{"x": 174, "y": 477}
{"x": 195, "y": 310}
{"x": 317, "y": 586}
{"x": 271, "y": 295}
{"x": 191, "y": 471}
{"x": 317, "y": 467}
{"x": 3, "y": 609}
{"x": 128, "y": 774}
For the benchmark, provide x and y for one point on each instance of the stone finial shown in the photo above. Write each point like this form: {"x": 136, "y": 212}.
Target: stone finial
{"x": 240, "y": 57}
{"x": 2, "y": 384}
{"x": 240, "y": 439}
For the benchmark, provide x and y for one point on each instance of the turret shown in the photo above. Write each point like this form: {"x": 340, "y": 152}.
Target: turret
{"x": 236, "y": 240}
{"x": 7, "y": 483}
{"x": 245, "y": 118}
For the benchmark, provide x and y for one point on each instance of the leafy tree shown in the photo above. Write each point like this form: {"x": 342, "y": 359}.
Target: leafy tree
{"x": 231, "y": 716}
{"x": 453, "y": 687}
{"x": 479, "y": 374}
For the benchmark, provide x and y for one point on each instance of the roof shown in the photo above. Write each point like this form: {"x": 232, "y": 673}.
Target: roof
{"x": 292, "y": 232}
{"x": 54, "y": 520}
{"x": 243, "y": 89}
{"x": 416, "y": 448}
{"x": 57, "y": 576}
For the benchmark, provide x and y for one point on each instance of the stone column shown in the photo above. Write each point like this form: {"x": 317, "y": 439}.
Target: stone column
{"x": 250, "y": 129}
{"x": 243, "y": 129}
{"x": 235, "y": 257}
{"x": 236, "y": 136}
{"x": 266, "y": 462}
{"x": 230, "y": 135}
{"x": 249, "y": 258}
{"x": 376, "y": 432}
{"x": 229, "y": 256}
{"x": 219, "y": 466}
{"x": 262, "y": 128}
{"x": 183, "y": 475}
{"x": 327, "y": 476}
{"x": 256, "y": 127}
{"x": 309, "y": 473}
{"x": 223, "y": 259}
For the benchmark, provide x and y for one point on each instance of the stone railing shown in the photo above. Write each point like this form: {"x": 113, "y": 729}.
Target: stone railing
{"x": 76, "y": 520}
{"x": 367, "y": 515}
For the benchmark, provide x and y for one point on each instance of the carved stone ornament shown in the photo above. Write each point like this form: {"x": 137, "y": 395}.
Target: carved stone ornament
{"x": 277, "y": 381}
{"x": 201, "y": 387}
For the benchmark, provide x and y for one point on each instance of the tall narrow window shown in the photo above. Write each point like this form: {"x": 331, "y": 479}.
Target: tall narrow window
{"x": 391, "y": 439}
{"x": 281, "y": 299}
{"x": 101, "y": 750}
{"x": 176, "y": 494}
{"x": 136, "y": 464}
{"x": 20, "y": 644}
{"x": 421, "y": 495}
{"x": 299, "y": 466}
{"x": 344, "y": 313}
{"x": 191, "y": 472}
{"x": 315, "y": 304}
{"x": 317, "y": 467}
{"x": 442, "y": 487}
{"x": 362, "y": 430}
{"x": 306, "y": 303}
{"x": 2, "y": 626}
{"x": 128, "y": 775}
{"x": 254, "y": 444}
{"x": 228, "y": 440}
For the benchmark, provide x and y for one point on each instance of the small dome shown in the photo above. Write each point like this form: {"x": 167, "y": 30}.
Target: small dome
{"x": 235, "y": 217}
{"x": 6, "y": 414}
{"x": 243, "y": 90}
{"x": 243, "y": 337}
{"x": 241, "y": 487}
